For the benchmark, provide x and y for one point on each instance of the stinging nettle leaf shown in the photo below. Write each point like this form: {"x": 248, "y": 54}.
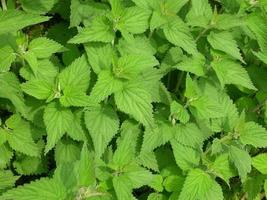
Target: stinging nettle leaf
{"x": 225, "y": 42}
{"x": 57, "y": 121}
{"x": 103, "y": 124}
{"x": 134, "y": 100}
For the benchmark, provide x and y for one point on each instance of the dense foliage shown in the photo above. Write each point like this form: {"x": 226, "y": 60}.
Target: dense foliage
{"x": 133, "y": 99}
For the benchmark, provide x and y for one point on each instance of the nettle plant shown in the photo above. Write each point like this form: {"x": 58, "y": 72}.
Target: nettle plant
{"x": 133, "y": 99}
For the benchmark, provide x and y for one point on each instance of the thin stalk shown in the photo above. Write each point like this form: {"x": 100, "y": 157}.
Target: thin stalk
{"x": 3, "y": 2}
{"x": 202, "y": 33}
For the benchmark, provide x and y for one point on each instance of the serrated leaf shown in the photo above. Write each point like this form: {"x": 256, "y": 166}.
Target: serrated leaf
{"x": 103, "y": 124}
{"x": 134, "y": 20}
{"x": 38, "y": 6}
{"x": 189, "y": 135}
{"x": 27, "y": 165}
{"x": 20, "y": 138}
{"x": 256, "y": 23}
{"x": 123, "y": 187}
{"x": 130, "y": 66}
{"x": 39, "y": 89}
{"x": 99, "y": 56}
{"x": 85, "y": 168}
{"x": 179, "y": 112}
{"x": 231, "y": 72}
{"x": 43, "y": 47}
{"x": 99, "y": 31}
{"x": 253, "y": 134}
{"x": 7, "y": 180}
{"x": 197, "y": 184}
{"x": 200, "y": 13}
{"x": 57, "y": 121}
{"x": 260, "y": 163}
{"x": 222, "y": 167}
{"x": 193, "y": 65}
{"x": 13, "y": 20}
{"x": 7, "y": 57}
{"x": 106, "y": 85}
{"x": 10, "y": 90}
{"x": 225, "y": 42}
{"x": 186, "y": 157}
{"x": 228, "y": 21}
{"x": 241, "y": 160}
{"x": 5, "y": 155}
{"x": 156, "y": 136}
{"x": 42, "y": 189}
{"x": 67, "y": 151}
{"x": 76, "y": 75}
{"x": 135, "y": 101}
{"x": 177, "y": 32}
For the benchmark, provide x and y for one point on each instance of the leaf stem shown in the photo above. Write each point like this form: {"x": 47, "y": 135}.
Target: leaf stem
{"x": 3, "y": 2}
{"x": 202, "y": 33}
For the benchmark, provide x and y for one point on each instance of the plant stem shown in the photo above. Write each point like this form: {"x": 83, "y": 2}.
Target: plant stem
{"x": 201, "y": 34}
{"x": 3, "y": 2}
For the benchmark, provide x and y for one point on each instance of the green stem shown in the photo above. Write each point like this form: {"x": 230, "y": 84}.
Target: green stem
{"x": 202, "y": 33}
{"x": 3, "y": 2}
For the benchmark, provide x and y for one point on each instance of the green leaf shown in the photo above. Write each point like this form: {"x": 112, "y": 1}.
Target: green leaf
{"x": 99, "y": 56}
{"x": 186, "y": 157}
{"x": 7, "y": 57}
{"x": 73, "y": 97}
{"x": 225, "y": 42}
{"x": 125, "y": 152}
{"x": 131, "y": 65}
{"x": 200, "y": 13}
{"x": 193, "y": 65}
{"x": 156, "y": 196}
{"x": 10, "y": 89}
{"x": 135, "y": 20}
{"x": 86, "y": 168}
{"x": 6, "y": 155}
{"x": 156, "y": 136}
{"x": 227, "y": 21}
{"x": 253, "y": 134}
{"x": 66, "y": 151}
{"x": 231, "y": 72}
{"x": 13, "y": 20}
{"x": 179, "y": 112}
{"x": 260, "y": 163}
{"x": 138, "y": 176}
{"x": 39, "y": 89}
{"x": 43, "y": 47}
{"x": 99, "y": 31}
{"x": 27, "y": 165}
{"x": 76, "y": 75}
{"x": 241, "y": 160}
{"x": 222, "y": 167}
{"x": 256, "y": 23}
{"x": 106, "y": 85}
{"x": 20, "y": 138}
{"x": 57, "y": 121}
{"x": 38, "y": 6}
{"x": 7, "y": 180}
{"x": 31, "y": 59}
{"x": 135, "y": 101}
{"x": 196, "y": 186}
{"x": 103, "y": 124}
{"x": 123, "y": 187}
{"x": 178, "y": 33}
{"x": 189, "y": 135}
{"x": 42, "y": 189}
